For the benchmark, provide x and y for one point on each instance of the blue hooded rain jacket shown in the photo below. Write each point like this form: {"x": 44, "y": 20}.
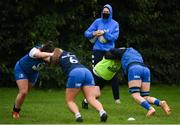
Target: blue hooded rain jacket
{"x": 111, "y": 28}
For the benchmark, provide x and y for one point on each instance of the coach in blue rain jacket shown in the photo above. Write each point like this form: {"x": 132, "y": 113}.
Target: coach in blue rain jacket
{"x": 103, "y": 34}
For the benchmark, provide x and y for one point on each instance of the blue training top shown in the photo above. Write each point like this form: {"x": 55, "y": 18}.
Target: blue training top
{"x": 129, "y": 56}
{"x": 29, "y": 64}
{"x": 69, "y": 61}
{"x": 111, "y": 28}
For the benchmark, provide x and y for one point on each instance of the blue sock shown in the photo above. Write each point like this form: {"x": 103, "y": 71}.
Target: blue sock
{"x": 157, "y": 102}
{"x": 146, "y": 105}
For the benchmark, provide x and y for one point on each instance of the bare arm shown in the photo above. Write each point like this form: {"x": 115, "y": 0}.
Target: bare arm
{"x": 36, "y": 53}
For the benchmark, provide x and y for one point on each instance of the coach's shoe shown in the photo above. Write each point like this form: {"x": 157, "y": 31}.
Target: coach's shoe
{"x": 15, "y": 115}
{"x": 165, "y": 107}
{"x": 151, "y": 112}
{"x": 117, "y": 101}
{"x": 84, "y": 105}
{"x": 103, "y": 117}
{"x": 79, "y": 119}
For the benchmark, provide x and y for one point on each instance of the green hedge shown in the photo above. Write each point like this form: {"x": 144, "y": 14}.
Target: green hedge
{"x": 151, "y": 26}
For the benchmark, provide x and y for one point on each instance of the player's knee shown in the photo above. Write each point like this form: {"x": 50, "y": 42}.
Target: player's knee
{"x": 145, "y": 97}
{"x": 98, "y": 92}
{"x": 90, "y": 98}
{"x": 23, "y": 93}
{"x": 135, "y": 92}
{"x": 70, "y": 99}
{"x": 135, "y": 95}
{"x": 98, "y": 95}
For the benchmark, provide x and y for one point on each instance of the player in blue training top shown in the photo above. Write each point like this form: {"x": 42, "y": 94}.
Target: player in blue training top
{"x": 79, "y": 77}
{"x": 138, "y": 75}
{"x": 26, "y": 72}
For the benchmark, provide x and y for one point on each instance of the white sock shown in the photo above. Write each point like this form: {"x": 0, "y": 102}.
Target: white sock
{"x": 77, "y": 115}
{"x": 85, "y": 101}
{"x": 101, "y": 112}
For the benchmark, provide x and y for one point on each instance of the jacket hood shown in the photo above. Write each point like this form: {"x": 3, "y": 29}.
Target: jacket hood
{"x": 110, "y": 10}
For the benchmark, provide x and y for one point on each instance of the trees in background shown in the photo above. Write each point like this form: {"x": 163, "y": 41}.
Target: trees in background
{"x": 151, "y": 26}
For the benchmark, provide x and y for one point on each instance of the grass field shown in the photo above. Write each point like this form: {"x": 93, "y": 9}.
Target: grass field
{"x": 48, "y": 106}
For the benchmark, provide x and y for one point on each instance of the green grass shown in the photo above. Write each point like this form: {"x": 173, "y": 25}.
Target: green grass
{"x": 48, "y": 106}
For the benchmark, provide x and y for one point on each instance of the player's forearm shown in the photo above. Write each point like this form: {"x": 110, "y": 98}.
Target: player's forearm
{"x": 43, "y": 54}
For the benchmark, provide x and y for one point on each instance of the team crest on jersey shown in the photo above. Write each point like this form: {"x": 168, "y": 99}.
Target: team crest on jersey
{"x": 38, "y": 66}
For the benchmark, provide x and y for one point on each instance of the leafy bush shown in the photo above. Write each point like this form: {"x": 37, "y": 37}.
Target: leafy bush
{"x": 151, "y": 26}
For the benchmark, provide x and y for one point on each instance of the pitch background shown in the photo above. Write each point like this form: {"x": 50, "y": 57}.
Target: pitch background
{"x": 48, "y": 107}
